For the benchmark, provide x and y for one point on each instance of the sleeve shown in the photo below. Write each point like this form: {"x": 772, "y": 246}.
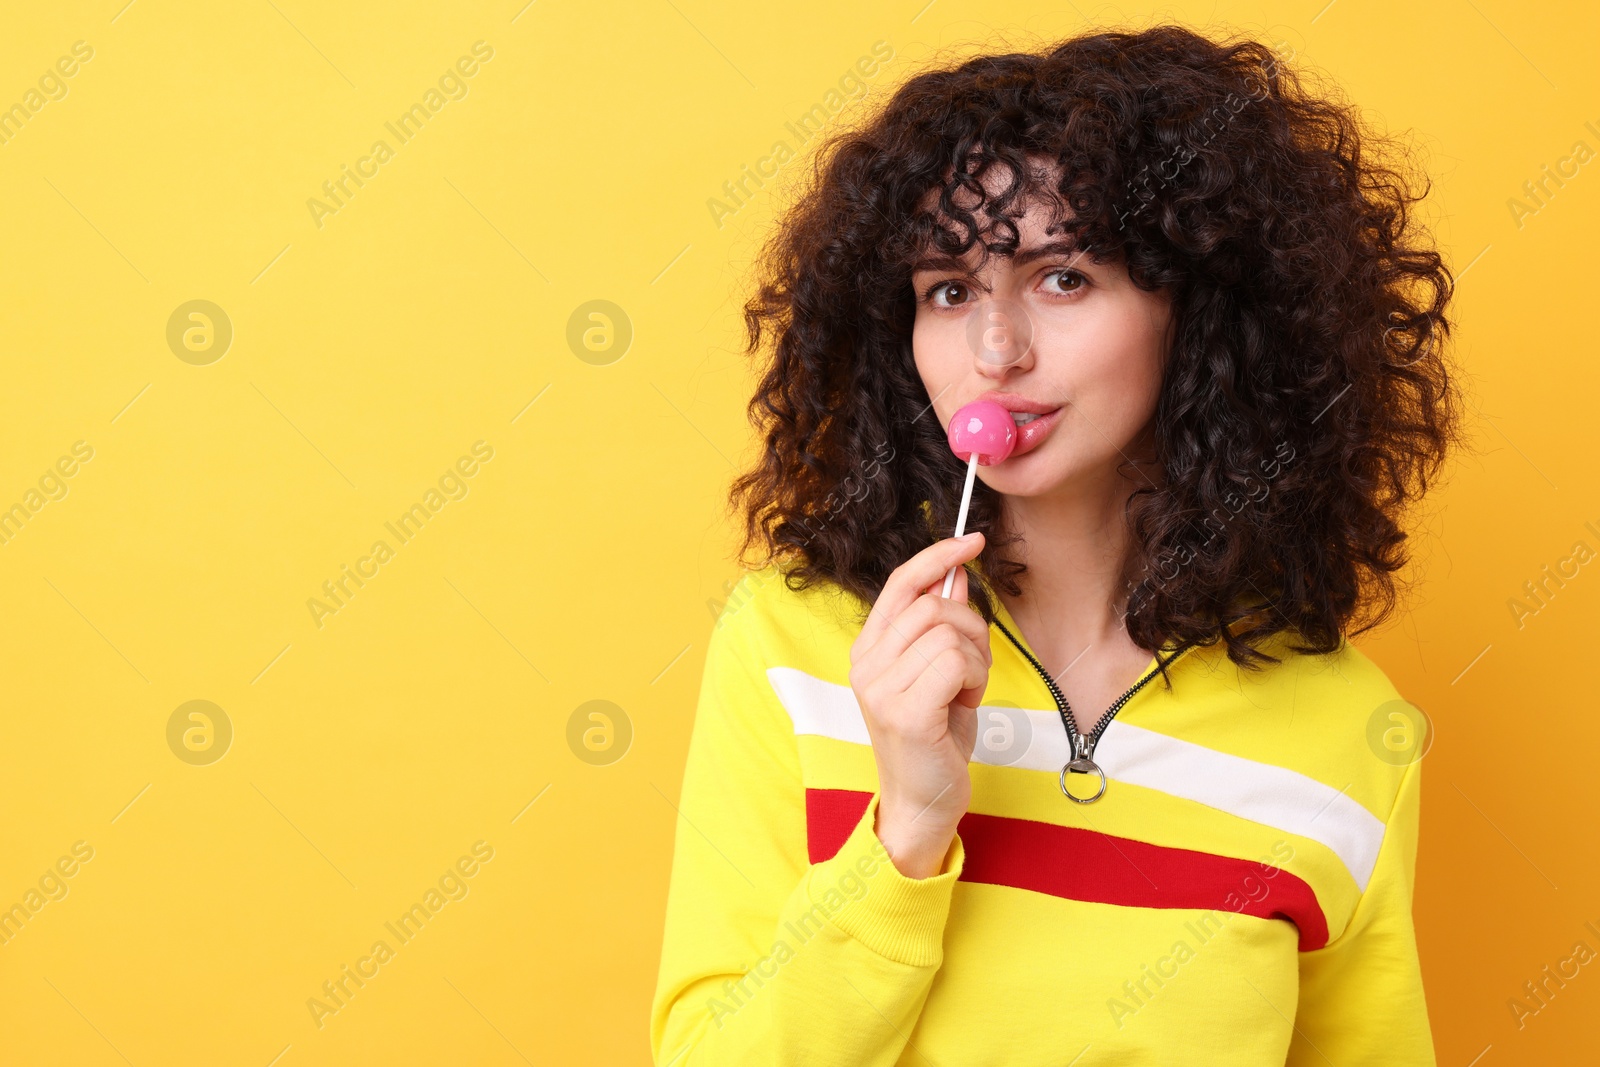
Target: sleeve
{"x": 767, "y": 958}
{"x": 1361, "y": 997}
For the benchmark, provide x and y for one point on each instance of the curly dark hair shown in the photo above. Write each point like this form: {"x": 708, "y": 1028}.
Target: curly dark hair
{"x": 1306, "y": 401}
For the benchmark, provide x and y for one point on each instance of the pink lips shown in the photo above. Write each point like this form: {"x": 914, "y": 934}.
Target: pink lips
{"x": 1031, "y": 435}
{"x": 985, "y": 428}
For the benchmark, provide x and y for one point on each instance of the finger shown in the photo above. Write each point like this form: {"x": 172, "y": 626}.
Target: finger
{"x": 909, "y": 580}
{"x": 948, "y": 676}
{"x": 926, "y": 614}
{"x": 931, "y": 609}
{"x": 931, "y": 655}
{"x": 958, "y": 588}
{"x": 969, "y": 699}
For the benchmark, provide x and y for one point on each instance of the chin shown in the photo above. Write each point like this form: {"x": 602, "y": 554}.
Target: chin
{"x": 1047, "y": 470}
{"x": 1036, "y": 474}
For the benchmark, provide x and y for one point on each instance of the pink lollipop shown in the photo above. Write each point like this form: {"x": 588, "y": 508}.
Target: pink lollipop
{"x": 985, "y": 429}
{"x": 981, "y": 432}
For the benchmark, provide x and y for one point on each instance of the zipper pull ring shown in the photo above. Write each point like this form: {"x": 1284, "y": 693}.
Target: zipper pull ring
{"x": 1082, "y": 765}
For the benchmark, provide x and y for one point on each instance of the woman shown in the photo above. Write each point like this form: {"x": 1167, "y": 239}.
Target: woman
{"x": 977, "y": 830}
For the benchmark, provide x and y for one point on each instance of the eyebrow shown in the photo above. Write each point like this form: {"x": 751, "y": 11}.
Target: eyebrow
{"x": 1020, "y": 258}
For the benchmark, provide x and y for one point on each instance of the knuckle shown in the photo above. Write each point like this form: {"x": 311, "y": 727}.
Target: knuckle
{"x": 867, "y": 687}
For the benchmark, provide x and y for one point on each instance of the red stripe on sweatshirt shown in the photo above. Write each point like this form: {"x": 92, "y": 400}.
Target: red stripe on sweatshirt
{"x": 1077, "y": 864}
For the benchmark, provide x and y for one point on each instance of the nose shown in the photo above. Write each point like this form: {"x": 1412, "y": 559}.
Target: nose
{"x": 1000, "y": 334}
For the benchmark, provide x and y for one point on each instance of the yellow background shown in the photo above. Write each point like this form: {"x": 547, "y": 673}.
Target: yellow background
{"x": 431, "y": 711}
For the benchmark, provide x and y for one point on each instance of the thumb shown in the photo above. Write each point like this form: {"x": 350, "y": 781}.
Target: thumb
{"x": 964, "y": 720}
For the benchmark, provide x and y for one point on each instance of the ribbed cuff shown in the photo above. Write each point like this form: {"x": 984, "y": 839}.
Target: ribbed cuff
{"x": 866, "y": 896}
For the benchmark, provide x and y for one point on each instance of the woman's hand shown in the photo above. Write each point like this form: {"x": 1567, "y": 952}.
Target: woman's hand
{"x": 919, "y": 669}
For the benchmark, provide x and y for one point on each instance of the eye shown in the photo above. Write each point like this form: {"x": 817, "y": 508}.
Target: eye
{"x": 1071, "y": 281}
{"x": 946, "y": 294}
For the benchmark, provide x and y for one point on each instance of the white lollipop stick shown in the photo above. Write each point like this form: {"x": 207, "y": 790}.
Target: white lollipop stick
{"x": 961, "y": 518}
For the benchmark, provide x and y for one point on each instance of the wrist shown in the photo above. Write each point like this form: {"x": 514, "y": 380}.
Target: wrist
{"x": 916, "y": 847}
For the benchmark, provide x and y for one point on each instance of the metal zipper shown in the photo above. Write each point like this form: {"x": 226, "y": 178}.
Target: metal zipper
{"x": 1083, "y": 745}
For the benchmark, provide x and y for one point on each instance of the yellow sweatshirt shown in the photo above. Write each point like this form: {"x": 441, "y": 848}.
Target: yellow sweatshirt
{"x": 1240, "y": 894}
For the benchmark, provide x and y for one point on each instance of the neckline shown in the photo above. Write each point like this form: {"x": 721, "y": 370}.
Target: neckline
{"x": 1164, "y": 654}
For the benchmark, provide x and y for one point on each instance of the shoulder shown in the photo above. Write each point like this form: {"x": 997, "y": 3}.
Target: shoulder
{"x": 1335, "y": 717}
{"x": 810, "y": 628}
{"x": 1336, "y": 689}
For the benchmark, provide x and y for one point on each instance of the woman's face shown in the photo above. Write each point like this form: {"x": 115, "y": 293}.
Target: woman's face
{"x": 1045, "y": 329}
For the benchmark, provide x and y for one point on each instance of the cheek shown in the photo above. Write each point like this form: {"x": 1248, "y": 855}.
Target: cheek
{"x": 1113, "y": 369}
{"x": 1115, "y": 356}
{"x": 937, "y": 351}
{"x": 1131, "y": 345}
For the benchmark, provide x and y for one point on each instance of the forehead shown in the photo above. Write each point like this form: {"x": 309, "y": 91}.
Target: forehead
{"x": 1036, "y": 210}
{"x": 1039, "y": 171}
